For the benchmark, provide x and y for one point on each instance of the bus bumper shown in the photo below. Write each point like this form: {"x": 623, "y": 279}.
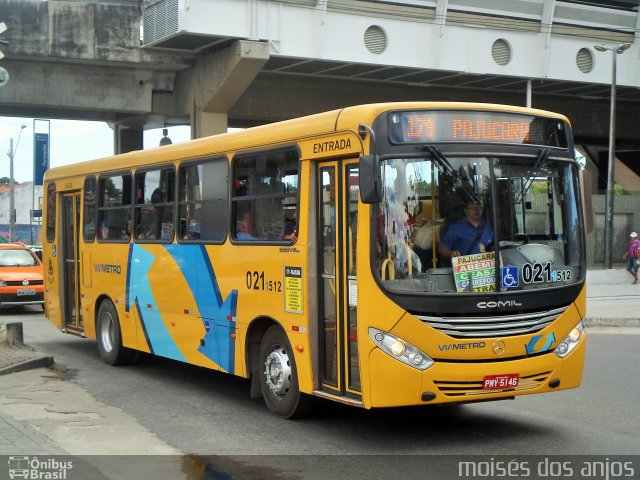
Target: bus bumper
{"x": 396, "y": 384}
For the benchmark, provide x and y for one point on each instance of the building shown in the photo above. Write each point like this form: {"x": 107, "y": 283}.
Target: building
{"x": 28, "y": 199}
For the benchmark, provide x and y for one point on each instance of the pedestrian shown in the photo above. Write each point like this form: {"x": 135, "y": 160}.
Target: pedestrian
{"x": 633, "y": 252}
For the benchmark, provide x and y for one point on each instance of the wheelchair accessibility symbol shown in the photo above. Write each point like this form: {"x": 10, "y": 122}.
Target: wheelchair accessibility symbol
{"x": 509, "y": 276}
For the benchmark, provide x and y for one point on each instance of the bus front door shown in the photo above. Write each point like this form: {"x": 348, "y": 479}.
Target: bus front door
{"x": 338, "y": 193}
{"x": 71, "y": 263}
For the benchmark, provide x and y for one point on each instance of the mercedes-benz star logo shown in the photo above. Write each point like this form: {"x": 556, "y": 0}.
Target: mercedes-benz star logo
{"x": 499, "y": 347}
{"x": 25, "y": 283}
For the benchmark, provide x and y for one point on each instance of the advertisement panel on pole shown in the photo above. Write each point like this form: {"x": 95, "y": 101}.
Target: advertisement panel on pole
{"x": 40, "y": 156}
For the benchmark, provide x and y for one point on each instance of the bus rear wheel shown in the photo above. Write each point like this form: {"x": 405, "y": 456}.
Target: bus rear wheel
{"x": 110, "y": 338}
{"x": 279, "y": 377}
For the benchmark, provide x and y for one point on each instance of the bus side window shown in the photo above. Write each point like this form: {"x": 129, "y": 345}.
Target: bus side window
{"x": 155, "y": 204}
{"x": 203, "y": 201}
{"x": 51, "y": 212}
{"x": 265, "y": 189}
{"x": 89, "y": 209}
{"x": 114, "y": 207}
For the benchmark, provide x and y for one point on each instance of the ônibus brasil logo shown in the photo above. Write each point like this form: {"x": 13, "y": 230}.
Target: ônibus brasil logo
{"x": 32, "y": 468}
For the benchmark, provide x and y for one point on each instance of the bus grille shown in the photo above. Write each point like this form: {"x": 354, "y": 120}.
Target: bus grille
{"x": 493, "y": 326}
{"x": 472, "y": 388}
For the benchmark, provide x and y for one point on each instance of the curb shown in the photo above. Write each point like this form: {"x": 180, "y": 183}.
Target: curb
{"x": 612, "y": 322}
{"x": 18, "y": 359}
{"x": 37, "y": 362}
{"x": 27, "y": 365}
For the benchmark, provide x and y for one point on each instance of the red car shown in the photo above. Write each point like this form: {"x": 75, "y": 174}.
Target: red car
{"x": 21, "y": 273}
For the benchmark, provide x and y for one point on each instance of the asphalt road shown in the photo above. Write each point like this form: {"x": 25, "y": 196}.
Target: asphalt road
{"x": 201, "y": 413}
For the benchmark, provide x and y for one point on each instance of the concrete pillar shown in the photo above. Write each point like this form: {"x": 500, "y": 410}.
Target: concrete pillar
{"x": 215, "y": 83}
{"x": 127, "y": 139}
{"x": 204, "y": 124}
{"x": 15, "y": 336}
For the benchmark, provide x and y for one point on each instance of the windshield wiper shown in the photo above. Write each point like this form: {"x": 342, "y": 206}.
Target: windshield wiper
{"x": 452, "y": 174}
{"x": 533, "y": 172}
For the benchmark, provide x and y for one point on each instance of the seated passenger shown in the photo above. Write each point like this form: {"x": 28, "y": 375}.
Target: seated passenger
{"x": 103, "y": 230}
{"x": 148, "y": 234}
{"x": 290, "y": 233}
{"x": 426, "y": 227}
{"x": 192, "y": 230}
{"x": 244, "y": 228}
{"x": 89, "y": 229}
{"x": 126, "y": 233}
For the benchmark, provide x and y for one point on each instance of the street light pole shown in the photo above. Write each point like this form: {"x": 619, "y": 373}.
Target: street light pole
{"x": 608, "y": 228}
{"x": 12, "y": 206}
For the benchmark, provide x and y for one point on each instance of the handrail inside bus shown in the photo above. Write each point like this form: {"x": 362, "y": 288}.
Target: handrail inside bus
{"x": 392, "y": 270}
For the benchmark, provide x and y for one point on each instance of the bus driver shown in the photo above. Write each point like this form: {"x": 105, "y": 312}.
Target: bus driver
{"x": 467, "y": 236}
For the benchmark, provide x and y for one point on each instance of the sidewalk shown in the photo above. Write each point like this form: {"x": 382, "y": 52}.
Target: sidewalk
{"x": 19, "y": 438}
{"x": 612, "y": 301}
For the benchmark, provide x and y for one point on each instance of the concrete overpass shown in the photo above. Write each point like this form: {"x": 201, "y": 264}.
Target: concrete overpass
{"x": 143, "y": 64}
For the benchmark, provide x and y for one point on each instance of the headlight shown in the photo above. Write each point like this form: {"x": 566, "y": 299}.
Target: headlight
{"x": 400, "y": 349}
{"x": 571, "y": 341}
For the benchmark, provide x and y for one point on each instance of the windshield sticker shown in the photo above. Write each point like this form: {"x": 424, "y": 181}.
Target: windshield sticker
{"x": 536, "y": 272}
{"x": 509, "y": 277}
{"x": 561, "y": 275}
{"x": 475, "y": 273}
{"x": 542, "y": 273}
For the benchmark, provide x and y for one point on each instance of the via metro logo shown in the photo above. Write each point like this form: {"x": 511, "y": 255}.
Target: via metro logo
{"x": 535, "y": 346}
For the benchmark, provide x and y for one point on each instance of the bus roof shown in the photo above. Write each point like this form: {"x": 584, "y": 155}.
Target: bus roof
{"x": 347, "y": 118}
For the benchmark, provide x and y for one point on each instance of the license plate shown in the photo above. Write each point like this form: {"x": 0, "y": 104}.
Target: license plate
{"x": 493, "y": 382}
{"x": 26, "y": 291}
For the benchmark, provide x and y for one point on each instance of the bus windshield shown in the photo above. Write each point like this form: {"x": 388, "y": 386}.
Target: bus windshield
{"x": 443, "y": 221}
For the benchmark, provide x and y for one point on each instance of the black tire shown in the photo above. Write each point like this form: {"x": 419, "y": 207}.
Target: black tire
{"x": 279, "y": 376}
{"x": 110, "y": 338}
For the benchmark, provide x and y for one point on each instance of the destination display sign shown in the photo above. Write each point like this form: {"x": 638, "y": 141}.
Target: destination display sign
{"x": 475, "y": 127}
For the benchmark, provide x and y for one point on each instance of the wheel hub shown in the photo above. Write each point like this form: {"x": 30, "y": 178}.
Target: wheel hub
{"x": 278, "y": 371}
{"x": 106, "y": 332}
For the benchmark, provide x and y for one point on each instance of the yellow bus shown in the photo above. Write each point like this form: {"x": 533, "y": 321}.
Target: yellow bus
{"x": 349, "y": 255}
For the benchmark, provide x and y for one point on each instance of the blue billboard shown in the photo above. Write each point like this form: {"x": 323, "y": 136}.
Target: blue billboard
{"x": 40, "y": 156}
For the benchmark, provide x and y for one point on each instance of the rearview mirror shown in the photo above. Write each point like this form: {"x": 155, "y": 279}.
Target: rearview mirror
{"x": 370, "y": 179}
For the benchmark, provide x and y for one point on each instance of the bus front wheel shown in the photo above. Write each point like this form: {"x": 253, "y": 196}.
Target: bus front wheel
{"x": 110, "y": 338}
{"x": 279, "y": 377}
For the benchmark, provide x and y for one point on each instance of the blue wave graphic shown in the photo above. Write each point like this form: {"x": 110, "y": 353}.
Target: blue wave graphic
{"x": 139, "y": 291}
{"x": 218, "y": 316}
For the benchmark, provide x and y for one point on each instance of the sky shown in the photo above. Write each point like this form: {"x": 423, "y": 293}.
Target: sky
{"x": 71, "y": 141}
